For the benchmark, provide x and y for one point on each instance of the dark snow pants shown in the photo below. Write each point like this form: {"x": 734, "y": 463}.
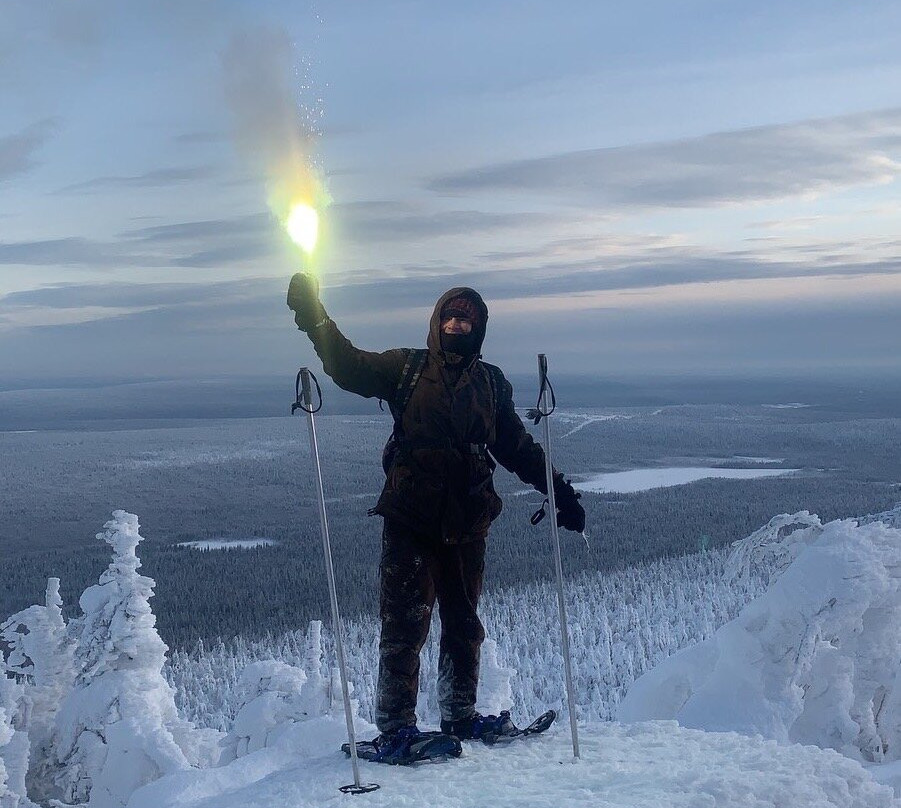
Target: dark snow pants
{"x": 414, "y": 571}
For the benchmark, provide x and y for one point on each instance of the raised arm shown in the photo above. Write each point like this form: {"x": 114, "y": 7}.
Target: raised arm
{"x": 366, "y": 373}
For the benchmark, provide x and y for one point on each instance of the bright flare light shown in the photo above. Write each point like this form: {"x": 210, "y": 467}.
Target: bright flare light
{"x": 303, "y": 226}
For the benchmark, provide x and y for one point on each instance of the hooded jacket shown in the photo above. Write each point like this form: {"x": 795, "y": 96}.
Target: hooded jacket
{"x": 449, "y": 434}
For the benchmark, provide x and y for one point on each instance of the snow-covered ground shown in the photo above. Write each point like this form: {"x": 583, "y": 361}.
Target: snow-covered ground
{"x": 629, "y": 482}
{"x": 651, "y": 765}
{"x": 581, "y": 421}
{"x": 795, "y": 702}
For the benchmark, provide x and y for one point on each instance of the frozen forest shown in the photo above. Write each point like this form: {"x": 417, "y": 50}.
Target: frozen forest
{"x": 789, "y": 637}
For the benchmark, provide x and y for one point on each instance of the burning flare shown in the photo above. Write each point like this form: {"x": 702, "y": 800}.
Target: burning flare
{"x": 302, "y": 225}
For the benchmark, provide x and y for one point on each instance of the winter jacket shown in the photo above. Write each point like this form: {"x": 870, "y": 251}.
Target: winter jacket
{"x": 451, "y": 431}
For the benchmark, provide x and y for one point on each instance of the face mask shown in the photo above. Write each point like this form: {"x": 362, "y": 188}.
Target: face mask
{"x": 462, "y": 344}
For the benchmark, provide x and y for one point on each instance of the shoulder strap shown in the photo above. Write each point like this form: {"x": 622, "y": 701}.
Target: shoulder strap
{"x": 496, "y": 377}
{"x": 408, "y": 380}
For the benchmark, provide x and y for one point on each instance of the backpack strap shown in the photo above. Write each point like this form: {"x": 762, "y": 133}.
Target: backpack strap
{"x": 409, "y": 377}
{"x": 498, "y": 388}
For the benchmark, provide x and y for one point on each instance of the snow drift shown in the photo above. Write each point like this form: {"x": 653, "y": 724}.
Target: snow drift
{"x": 814, "y": 660}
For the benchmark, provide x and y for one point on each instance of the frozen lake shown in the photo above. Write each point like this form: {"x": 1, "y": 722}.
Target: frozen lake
{"x": 227, "y": 544}
{"x": 628, "y": 482}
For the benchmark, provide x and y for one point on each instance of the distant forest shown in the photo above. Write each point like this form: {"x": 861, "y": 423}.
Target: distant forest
{"x": 251, "y": 478}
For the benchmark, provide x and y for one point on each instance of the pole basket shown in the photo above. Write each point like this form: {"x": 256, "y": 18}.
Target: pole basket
{"x": 363, "y": 788}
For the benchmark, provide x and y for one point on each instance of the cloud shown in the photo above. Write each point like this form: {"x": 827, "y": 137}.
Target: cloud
{"x": 158, "y": 178}
{"x": 254, "y": 224}
{"x": 121, "y": 295}
{"x": 723, "y": 168}
{"x": 579, "y": 278}
{"x": 217, "y": 242}
{"x": 223, "y": 256}
{"x": 374, "y": 222}
{"x": 17, "y": 152}
{"x": 244, "y": 327}
{"x": 70, "y": 252}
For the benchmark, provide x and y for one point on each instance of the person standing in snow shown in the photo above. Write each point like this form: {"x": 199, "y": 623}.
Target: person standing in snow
{"x": 452, "y": 422}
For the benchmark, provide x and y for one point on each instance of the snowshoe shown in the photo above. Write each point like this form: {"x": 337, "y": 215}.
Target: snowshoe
{"x": 407, "y": 746}
{"x": 493, "y": 729}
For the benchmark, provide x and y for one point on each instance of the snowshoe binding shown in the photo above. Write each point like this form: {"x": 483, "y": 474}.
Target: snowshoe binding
{"x": 494, "y": 729}
{"x": 407, "y": 746}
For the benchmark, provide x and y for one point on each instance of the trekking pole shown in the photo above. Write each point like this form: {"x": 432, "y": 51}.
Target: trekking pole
{"x": 304, "y": 401}
{"x": 543, "y": 411}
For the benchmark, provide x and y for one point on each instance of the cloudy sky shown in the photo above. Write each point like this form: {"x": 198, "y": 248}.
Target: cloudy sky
{"x": 643, "y": 187}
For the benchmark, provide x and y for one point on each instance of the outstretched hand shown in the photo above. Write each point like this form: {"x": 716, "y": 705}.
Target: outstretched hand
{"x": 303, "y": 300}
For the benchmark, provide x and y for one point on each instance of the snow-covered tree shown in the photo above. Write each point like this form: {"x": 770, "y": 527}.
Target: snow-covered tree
{"x": 277, "y": 695}
{"x": 495, "y": 690}
{"x": 814, "y": 660}
{"x": 13, "y": 745}
{"x": 38, "y": 653}
{"x": 118, "y": 728}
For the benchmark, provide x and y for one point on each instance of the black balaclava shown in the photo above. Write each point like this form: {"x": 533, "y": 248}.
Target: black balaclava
{"x": 461, "y": 345}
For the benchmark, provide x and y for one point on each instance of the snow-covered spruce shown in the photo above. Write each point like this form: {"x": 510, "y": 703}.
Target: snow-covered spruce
{"x": 118, "y": 728}
{"x": 38, "y": 653}
{"x": 815, "y": 660}
{"x": 13, "y": 744}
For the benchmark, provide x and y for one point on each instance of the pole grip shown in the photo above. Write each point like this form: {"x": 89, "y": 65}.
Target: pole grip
{"x": 305, "y": 393}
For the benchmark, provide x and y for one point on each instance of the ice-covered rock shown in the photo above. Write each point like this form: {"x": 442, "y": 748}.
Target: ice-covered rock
{"x": 814, "y": 660}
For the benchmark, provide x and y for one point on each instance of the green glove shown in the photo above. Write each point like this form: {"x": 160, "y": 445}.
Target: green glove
{"x": 303, "y": 300}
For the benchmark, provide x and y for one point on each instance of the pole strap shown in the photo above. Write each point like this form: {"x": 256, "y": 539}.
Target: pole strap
{"x": 298, "y": 395}
{"x": 536, "y": 517}
{"x": 537, "y": 413}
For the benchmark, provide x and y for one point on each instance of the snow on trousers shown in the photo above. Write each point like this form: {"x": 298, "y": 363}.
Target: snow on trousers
{"x": 416, "y": 570}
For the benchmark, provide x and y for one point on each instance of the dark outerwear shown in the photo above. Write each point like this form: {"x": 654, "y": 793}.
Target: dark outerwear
{"x": 439, "y": 483}
{"x": 414, "y": 571}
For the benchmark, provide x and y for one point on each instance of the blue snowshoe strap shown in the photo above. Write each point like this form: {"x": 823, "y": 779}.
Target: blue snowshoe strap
{"x": 396, "y": 746}
{"x": 493, "y": 725}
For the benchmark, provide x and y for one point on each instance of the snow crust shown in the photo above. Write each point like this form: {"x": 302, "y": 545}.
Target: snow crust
{"x": 815, "y": 660}
{"x": 623, "y": 766}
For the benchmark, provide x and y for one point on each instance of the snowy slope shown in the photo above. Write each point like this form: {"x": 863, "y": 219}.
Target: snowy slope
{"x": 633, "y": 766}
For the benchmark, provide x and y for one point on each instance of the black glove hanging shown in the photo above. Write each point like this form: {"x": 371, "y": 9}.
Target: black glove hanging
{"x": 570, "y": 513}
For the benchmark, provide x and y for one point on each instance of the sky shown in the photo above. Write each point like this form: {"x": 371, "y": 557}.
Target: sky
{"x": 644, "y": 188}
